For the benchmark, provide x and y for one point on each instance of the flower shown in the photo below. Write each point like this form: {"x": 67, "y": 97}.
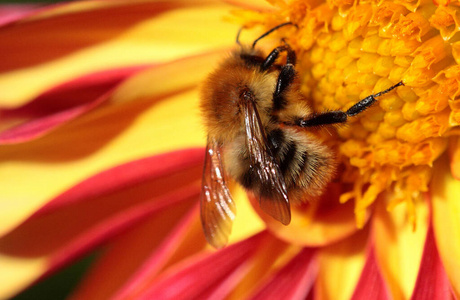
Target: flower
{"x": 102, "y": 151}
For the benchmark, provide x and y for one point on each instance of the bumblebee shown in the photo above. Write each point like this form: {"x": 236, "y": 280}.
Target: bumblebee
{"x": 258, "y": 125}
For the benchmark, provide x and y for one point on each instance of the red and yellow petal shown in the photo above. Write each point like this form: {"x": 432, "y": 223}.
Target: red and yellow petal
{"x": 98, "y": 210}
{"x": 131, "y": 261}
{"x": 68, "y": 41}
{"x": 319, "y": 223}
{"x": 445, "y": 190}
{"x": 12, "y": 12}
{"x": 399, "y": 246}
{"x": 153, "y": 116}
{"x": 48, "y": 111}
{"x": 341, "y": 265}
{"x": 202, "y": 275}
{"x": 294, "y": 281}
{"x": 371, "y": 284}
{"x": 432, "y": 281}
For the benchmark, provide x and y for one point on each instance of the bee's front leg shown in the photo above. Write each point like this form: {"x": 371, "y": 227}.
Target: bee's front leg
{"x": 335, "y": 117}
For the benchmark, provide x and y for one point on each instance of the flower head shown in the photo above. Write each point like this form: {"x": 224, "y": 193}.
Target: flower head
{"x": 101, "y": 149}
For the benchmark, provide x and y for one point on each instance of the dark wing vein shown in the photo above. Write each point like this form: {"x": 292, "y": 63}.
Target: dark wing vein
{"x": 273, "y": 193}
{"x": 217, "y": 207}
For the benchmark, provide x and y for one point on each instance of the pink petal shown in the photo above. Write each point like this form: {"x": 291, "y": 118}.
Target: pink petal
{"x": 153, "y": 264}
{"x": 133, "y": 173}
{"x": 113, "y": 226}
{"x": 293, "y": 281}
{"x": 227, "y": 285}
{"x": 61, "y": 104}
{"x": 341, "y": 265}
{"x": 132, "y": 259}
{"x": 432, "y": 281}
{"x": 198, "y": 275}
{"x": 371, "y": 284}
{"x": 102, "y": 207}
{"x": 444, "y": 192}
{"x": 398, "y": 247}
{"x": 256, "y": 5}
{"x": 58, "y": 30}
{"x": 129, "y": 175}
{"x": 12, "y": 12}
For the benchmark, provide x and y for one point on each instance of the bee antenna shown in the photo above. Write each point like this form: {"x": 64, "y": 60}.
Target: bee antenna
{"x": 238, "y": 36}
{"x": 270, "y": 31}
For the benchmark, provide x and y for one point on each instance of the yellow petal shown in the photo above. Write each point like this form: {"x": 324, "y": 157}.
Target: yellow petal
{"x": 445, "y": 191}
{"x": 246, "y": 223}
{"x": 318, "y": 223}
{"x": 398, "y": 246}
{"x": 21, "y": 272}
{"x": 82, "y": 39}
{"x": 454, "y": 151}
{"x": 340, "y": 267}
{"x": 142, "y": 121}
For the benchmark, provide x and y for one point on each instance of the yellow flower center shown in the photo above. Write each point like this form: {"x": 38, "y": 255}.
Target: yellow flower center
{"x": 348, "y": 50}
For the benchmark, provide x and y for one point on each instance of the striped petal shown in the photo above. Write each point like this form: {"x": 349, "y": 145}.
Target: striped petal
{"x": 48, "y": 111}
{"x": 143, "y": 120}
{"x": 318, "y": 223}
{"x": 68, "y": 41}
{"x": 445, "y": 190}
{"x": 294, "y": 281}
{"x": 197, "y": 276}
{"x": 13, "y": 12}
{"x": 98, "y": 210}
{"x": 371, "y": 284}
{"x": 432, "y": 281}
{"x": 341, "y": 266}
{"x": 399, "y": 246}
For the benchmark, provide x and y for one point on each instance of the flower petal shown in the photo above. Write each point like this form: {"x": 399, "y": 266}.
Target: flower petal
{"x": 432, "y": 281}
{"x": 318, "y": 223}
{"x": 143, "y": 120}
{"x": 71, "y": 40}
{"x": 130, "y": 261}
{"x": 99, "y": 209}
{"x": 341, "y": 266}
{"x": 257, "y": 5}
{"x": 454, "y": 151}
{"x": 293, "y": 281}
{"x": 48, "y": 111}
{"x": 201, "y": 273}
{"x": 12, "y": 12}
{"x": 446, "y": 223}
{"x": 399, "y": 246}
{"x": 185, "y": 240}
{"x": 371, "y": 284}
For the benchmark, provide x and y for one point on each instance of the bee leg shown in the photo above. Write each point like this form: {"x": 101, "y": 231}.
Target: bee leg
{"x": 273, "y": 56}
{"x": 334, "y": 117}
{"x": 285, "y": 78}
{"x": 286, "y": 75}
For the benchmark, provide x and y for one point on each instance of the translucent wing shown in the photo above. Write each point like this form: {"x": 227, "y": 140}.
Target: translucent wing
{"x": 273, "y": 193}
{"x": 217, "y": 207}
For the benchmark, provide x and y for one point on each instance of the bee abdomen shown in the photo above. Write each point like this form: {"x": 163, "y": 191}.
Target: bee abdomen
{"x": 306, "y": 164}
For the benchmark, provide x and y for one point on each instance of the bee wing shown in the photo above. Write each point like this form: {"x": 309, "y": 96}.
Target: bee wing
{"x": 274, "y": 199}
{"x": 217, "y": 207}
